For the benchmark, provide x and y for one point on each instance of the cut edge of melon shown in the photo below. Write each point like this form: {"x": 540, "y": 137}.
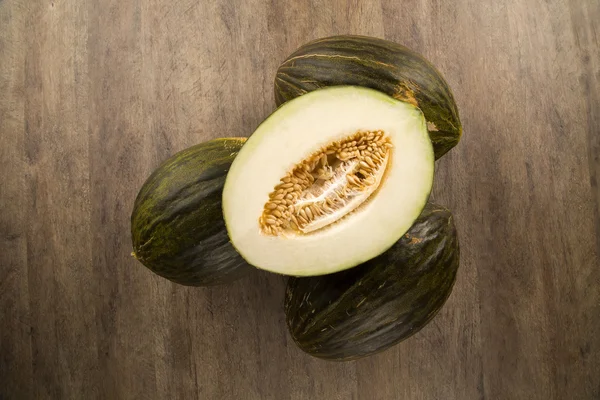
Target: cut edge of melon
{"x": 302, "y": 126}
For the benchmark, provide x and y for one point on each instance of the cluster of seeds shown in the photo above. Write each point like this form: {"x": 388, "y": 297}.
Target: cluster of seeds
{"x": 326, "y": 182}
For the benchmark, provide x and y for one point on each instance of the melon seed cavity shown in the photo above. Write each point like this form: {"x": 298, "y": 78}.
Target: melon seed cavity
{"x": 327, "y": 185}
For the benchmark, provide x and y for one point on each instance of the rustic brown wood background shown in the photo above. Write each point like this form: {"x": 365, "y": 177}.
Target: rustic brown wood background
{"x": 95, "y": 94}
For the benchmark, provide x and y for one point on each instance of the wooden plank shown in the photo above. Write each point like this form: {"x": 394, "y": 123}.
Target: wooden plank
{"x": 587, "y": 43}
{"x": 121, "y": 138}
{"x": 62, "y": 290}
{"x": 15, "y": 318}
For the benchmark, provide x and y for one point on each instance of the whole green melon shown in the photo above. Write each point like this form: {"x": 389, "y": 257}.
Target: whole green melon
{"x": 367, "y": 309}
{"x": 377, "y": 64}
{"x": 177, "y": 225}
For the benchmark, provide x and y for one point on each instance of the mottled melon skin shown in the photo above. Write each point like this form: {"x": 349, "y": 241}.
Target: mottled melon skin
{"x": 377, "y": 64}
{"x": 177, "y": 225}
{"x": 367, "y": 309}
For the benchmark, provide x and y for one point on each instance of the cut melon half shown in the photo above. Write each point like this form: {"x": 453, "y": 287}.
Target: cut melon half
{"x": 330, "y": 180}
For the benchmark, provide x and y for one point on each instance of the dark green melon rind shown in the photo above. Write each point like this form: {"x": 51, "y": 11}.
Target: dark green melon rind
{"x": 367, "y": 309}
{"x": 177, "y": 223}
{"x": 378, "y": 64}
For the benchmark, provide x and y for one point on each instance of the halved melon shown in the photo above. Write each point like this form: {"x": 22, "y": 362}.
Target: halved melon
{"x": 330, "y": 180}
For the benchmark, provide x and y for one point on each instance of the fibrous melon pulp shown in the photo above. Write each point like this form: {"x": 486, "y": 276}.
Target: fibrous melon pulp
{"x": 330, "y": 180}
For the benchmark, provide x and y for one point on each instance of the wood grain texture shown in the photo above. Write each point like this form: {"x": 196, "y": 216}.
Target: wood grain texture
{"x": 15, "y": 317}
{"x": 94, "y": 95}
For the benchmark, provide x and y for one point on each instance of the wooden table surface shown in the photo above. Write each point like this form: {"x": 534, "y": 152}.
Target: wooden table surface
{"x": 95, "y": 94}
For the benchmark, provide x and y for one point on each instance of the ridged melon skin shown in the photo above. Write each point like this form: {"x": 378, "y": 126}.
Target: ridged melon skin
{"x": 177, "y": 225}
{"x": 367, "y": 309}
{"x": 378, "y": 64}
